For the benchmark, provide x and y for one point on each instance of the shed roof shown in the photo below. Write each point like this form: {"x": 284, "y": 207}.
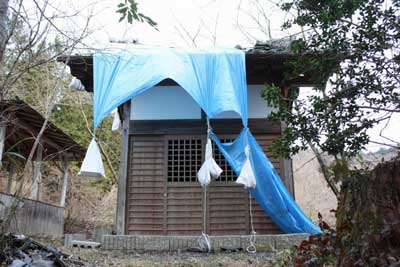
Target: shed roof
{"x": 262, "y": 66}
{"x": 24, "y": 123}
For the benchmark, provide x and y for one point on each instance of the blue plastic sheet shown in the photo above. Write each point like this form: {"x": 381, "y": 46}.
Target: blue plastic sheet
{"x": 270, "y": 192}
{"x": 216, "y": 79}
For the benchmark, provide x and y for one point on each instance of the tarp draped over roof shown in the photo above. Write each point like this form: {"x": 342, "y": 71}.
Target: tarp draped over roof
{"x": 216, "y": 79}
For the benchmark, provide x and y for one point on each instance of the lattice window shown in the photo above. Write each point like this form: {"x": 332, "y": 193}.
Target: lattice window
{"x": 185, "y": 157}
{"x": 228, "y": 174}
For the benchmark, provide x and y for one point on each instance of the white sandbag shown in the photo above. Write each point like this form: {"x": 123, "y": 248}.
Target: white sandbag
{"x": 76, "y": 84}
{"x": 92, "y": 165}
{"x": 116, "y": 125}
{"x": 210, "y": 168}
{"x": 247, "y": 177}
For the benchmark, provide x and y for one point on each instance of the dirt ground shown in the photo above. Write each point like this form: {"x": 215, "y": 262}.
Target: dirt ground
{"x": 100, "y": 258}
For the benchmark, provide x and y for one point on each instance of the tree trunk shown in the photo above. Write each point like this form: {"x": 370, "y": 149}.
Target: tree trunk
{"x": 368, "y": 217}
{"x": 3, "y": 28}
{"x": 37, "y": 176}
{"x": 65, "y": 184}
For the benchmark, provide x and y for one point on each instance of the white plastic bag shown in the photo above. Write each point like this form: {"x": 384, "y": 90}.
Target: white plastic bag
{"x": 92, "y": 165}
{"x": 210, "y": 168}
{"x": 76, "y": 84}
{"x": 247, "y": 177}
{"x": 116, "y": 125}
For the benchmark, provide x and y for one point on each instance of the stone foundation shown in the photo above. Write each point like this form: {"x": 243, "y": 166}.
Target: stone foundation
{"x": 181, "y": 243}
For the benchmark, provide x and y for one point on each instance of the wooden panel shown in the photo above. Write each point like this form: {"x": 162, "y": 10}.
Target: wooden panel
{"x": 184, "y": 209}
{"x": 146, "y": 186}
{"x": 227, "y": 209}
{"x": 155, "y": 206}
{"x": 34, "y": 218}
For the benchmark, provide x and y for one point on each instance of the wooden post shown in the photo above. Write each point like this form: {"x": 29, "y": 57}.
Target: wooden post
{"x": 37, "y": 176}
{"x": 11, "y": 172}
{"x": 123, "y": 170}
{"x": 286, "y": 167}
{"x": 3, "y": 130}
{"x": 65, "y": 183}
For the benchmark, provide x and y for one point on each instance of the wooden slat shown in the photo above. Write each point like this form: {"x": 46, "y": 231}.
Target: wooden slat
{"x": 34, "y": 218}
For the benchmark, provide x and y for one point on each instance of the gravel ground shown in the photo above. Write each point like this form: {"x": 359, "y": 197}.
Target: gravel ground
{"x": 101, "y": 258}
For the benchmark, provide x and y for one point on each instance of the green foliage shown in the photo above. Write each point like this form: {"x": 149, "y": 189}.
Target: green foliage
{"x": 358, "y": 40}
{"x": 68, "y": 117}
{"x": 129, "y": 10}
{"x": 317, "y": 250}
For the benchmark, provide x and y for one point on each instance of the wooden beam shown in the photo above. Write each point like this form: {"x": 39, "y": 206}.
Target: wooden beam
{"x": 65, "y": 183}
{"x": 123, "y": 171}
{"x": 219, "y": 126}
{"x": 37, "y": 176}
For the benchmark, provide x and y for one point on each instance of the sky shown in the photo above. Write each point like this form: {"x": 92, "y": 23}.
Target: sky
{"x": 181, "y": 23}
{"x": 186, "y": 23}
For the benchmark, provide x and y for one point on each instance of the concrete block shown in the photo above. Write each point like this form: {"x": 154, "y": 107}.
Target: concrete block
{"x": 226, "y": 241}
{"x": 85, "y": 244}
{"x": 99, "y": 231}
{"x": 118, "y": 242}
{"x": 265, "y": 243}
{"x": 152, "y": 243}
{"x": 289, "y": 240}
{"x": 182, "y": 243}
{"x": 69, "y": 237}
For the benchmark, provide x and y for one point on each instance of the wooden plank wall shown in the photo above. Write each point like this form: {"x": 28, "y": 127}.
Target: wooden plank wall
{"x": 158, "y": 207}
{"x": 146, "y": 186}
{"x": 184, "y": 209}
{"x": 34, "y": 218}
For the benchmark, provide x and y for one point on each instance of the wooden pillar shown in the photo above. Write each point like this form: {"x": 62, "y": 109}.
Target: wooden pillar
{"x": 65, "y": 183}
{"x": 11, "y": 172}
{"x": 123, "y": 171}
{"x": 3, "y": 130}
{"x": 286, "y": 167}
{"x": 37, "y": 176}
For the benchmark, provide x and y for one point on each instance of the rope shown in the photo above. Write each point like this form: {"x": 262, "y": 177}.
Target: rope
{"x": 204, "y": 240}
{"x": 209, "y": 129}
{"x": 205, "y": 209}
{"x": 252, "y": 247}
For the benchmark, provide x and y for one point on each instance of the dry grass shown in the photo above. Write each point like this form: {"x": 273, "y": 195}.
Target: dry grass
{"x": 311, "y": 190}
{"x": 100, "y": 258}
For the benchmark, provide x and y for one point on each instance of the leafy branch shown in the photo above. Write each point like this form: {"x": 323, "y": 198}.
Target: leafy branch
{"x": 129, "y": 10}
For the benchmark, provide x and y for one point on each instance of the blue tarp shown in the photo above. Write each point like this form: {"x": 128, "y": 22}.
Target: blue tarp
{"x": 216, "y": 79}
{"x": 270, "y": 191}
